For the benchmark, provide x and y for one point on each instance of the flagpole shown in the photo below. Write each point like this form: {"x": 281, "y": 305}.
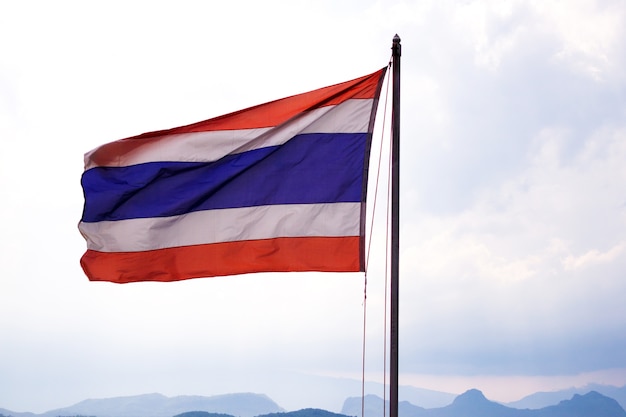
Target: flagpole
{"x": 395, "y": 229}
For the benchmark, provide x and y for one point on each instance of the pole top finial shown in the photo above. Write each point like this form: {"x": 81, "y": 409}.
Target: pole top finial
{"x": 395, "y": 46}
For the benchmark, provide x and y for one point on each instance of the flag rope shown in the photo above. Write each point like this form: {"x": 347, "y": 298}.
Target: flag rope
{"x": 367, "y": 257}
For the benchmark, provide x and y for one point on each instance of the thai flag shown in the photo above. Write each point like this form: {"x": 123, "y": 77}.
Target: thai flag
{"x": 276, "y": 187}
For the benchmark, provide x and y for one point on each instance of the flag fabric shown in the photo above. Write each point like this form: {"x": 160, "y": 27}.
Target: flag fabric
{"x": 272, "y": 188}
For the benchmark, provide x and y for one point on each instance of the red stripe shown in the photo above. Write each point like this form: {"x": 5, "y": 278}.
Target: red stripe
{"x": 324, "y": 254}
{"x": 278, "y": 111}
{"x": 263, "y": 115}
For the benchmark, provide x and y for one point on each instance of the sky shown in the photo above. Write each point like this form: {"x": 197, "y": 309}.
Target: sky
{"x": 513, "y": 198}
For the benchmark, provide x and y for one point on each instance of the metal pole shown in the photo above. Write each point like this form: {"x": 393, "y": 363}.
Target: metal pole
{"x": 395, "y": 228}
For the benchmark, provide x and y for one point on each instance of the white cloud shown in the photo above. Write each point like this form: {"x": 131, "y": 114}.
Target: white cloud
{"x": 591, "y": 33}
{"x": 593, "y": 256}
{"x": 494, "y": 29}
{"x": 536, "y": 258}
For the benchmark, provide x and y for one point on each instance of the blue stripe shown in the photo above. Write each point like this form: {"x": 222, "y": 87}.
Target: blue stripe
{"x": 311, "y": 168}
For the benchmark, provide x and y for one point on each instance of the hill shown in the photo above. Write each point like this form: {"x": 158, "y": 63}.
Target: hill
{"x": 469, "y": 404}
{"x": 544, "y": 399}
{"x": 591, "y": 404}
{"x": 473, "y": 403}
{"x": 157, "y": 405}
{"x": 306, "y": 412}
{"x": 201, "y": 414}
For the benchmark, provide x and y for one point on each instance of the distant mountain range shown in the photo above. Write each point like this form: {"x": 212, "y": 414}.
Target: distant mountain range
{"x": 469, "y": 404}
{"x": 157, "y": 405}
{"x": 473, "y": 403}
{"x": 544, "y": 399}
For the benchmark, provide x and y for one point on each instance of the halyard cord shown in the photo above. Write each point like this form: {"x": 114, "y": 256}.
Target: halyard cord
{"x": 369, "y": 245}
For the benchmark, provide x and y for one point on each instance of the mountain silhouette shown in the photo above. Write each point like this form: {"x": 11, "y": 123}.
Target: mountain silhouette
{"x": 591, "y": 404}
{"x": 473, "y": 403}
{"x": 202, "y": 414}
{"x": 157, "y": 405}
{"x": 306, "y": 412}
{"x": 544, "y": 399}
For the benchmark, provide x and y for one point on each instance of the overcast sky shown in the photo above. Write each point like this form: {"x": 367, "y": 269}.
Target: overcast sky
{"x": 513, "y": 245}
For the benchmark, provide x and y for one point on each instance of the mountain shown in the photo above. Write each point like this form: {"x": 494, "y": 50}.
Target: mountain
{"x": 374, "y": 407}
{"x": 8, "y": 413}
{"x": 306, "y": 412}
{"x": 469, "y": 404}
{"x": 201, "y": 414}
{"x": 591, "y": 404}
{"x": 473, "y": 403}
{"x": 157, "y": 405}
{"x": 544, "y": 399}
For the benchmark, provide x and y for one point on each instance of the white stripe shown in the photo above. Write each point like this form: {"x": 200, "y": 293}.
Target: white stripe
{"x": 225, "y": 225}
{"x": 351, "y": 116}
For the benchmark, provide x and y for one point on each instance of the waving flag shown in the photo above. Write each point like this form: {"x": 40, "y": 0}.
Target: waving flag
{"x": 276, "y": 187}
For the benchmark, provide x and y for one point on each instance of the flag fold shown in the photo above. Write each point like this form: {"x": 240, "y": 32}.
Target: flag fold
{"x": 277, "y": 187}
